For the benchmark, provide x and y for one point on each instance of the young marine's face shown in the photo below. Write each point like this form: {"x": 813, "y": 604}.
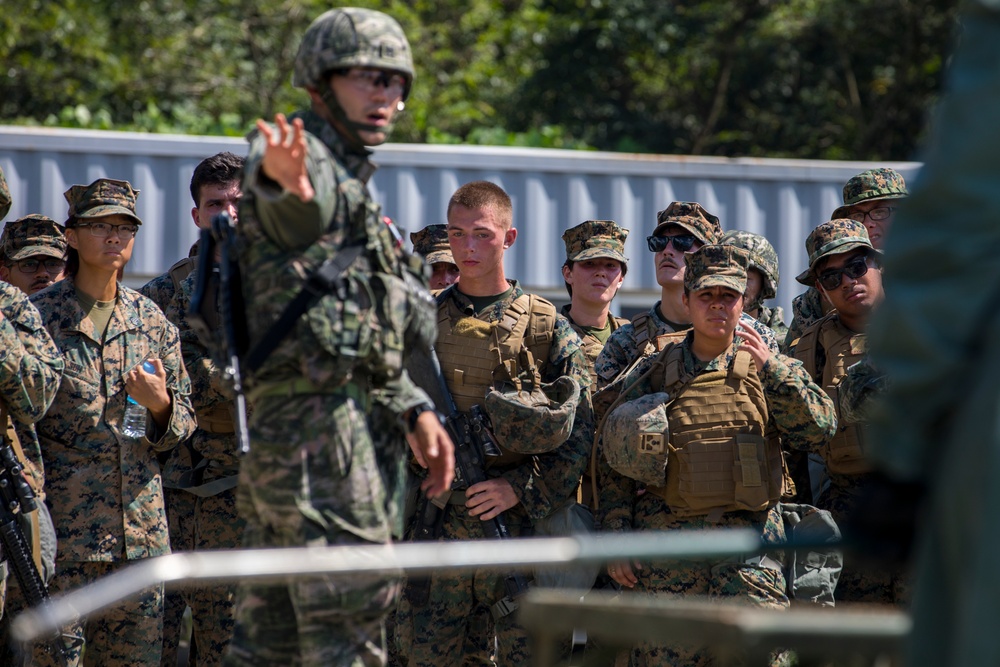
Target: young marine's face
{"x": 478, "y": 240}
{"x": 755, "y": 283}
{"x": 443, "y": 274}
{"x": 854, "y": 297}
{"x": 111, "y": 252}
{"x": 877, "y": 229}
{"x": 669, "y": 262}
{"x": 715, "y": 312}
{"x": 214, "y": 199}
{"x": 371, "y": 96}
{"x": 594, "y": 281}
{"x": 28, "y": 281}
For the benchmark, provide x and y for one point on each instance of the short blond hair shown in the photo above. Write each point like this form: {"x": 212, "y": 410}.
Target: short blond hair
{"x": 483, "y": 194}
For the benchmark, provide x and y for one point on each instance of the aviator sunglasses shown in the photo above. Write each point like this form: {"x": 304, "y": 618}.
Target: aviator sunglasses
{"x": 853, "y": 269}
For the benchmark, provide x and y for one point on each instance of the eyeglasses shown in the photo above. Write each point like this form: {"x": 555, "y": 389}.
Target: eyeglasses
{"x": 880, "y": 213}
{"x": 32, "y": 265}
{"x": 102, "y": 230}
{"x": 370, "y": 80}
{"x": 681, "y": 242}
{"x": 854, "y": 269}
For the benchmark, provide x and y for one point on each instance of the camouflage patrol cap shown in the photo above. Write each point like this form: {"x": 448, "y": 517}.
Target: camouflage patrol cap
{"x": 874, "y": 184}
{"x": 352, "y": 37}
{"x": 716, "y": 266}
{"x": 536, "y": 421}
{"x": 5, "y": 200}
{"x": 762, "y": 257}
{"x": 692, "y": 217}
{"x": 635, "y": 437}
{"x": 105, "y": 196}
{"x": 834, "y": 237}
{"x": 431, "y": 243}
{"x": 595, "y": 238}
{"x": 33, "y": 235}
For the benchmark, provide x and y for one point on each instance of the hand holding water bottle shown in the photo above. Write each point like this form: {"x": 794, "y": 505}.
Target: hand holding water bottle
{"x": 149, "y": 389}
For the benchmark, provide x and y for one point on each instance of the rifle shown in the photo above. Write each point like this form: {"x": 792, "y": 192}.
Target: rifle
{"x": 229, "y": 289}
{"x": 474, "y": 443}
{"x": 16, "y": 497}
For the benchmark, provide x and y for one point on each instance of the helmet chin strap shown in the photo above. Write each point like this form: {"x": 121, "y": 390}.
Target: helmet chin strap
{"x": 351, "y": 127}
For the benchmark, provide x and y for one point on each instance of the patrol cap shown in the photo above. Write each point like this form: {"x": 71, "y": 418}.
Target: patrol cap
{"x": 692, "y": 217}
{"x": 874, "y": 184}
{"x": 33, "y": 235}
{"x": 5, "y": 200}
{"x": 716, "y": 266}
{"x": 595, "y": 238}
{"x": 431, "y": 243}
{"x": 103, "y": 197}
{"x": 834, "y": 237}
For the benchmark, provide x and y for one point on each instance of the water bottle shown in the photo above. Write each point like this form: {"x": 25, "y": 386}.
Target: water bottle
{"x": 134, "y": 422}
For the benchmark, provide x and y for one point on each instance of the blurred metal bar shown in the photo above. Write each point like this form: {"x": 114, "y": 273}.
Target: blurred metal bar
{"x": 279, "y": 564}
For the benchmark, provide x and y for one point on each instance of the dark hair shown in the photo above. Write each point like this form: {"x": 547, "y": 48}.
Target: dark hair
{"x": 483, "y": 194}
{"x": 220, "y": 169}
{"x": 568, "y": 264}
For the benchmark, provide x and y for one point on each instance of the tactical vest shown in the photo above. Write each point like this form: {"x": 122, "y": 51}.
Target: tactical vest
{"x": 219, "y": 418}
{"x": 358, "y": 330}
{"x": 719, "y": 458}
{"x": 844, "y": 454}
{"x": 472, "y": 365}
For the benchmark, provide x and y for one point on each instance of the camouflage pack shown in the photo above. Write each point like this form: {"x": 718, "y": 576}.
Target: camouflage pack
{"x": 103, "y": 197}
{"x": 33, "y": 235}
{"x": 692, "y": 217}
{"x": 431, "y": 243}
{"x": 352, "y": 37}
{"x": 595, "y": 238}
{"x": 716, "y": 266}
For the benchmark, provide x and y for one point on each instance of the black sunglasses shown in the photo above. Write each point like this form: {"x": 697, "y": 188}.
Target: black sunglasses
{"x": 854, "y": 269}
{"x": 681, "y": 242}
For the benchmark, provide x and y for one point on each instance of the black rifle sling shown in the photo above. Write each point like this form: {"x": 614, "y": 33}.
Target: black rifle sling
{"x": 322, "y": 281}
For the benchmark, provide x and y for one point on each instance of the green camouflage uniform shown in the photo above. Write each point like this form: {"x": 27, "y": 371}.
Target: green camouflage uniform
{"x": 801, "y": 413}
{"x": 807, "y": 308}
{"x": 774, "y": 319}
{"x": 311, "y": 425}
{"x": 857, "y": 583}
{"x": 122, "y": 516}
{"x": 455, "y": 626}
{"x": 198, "y": 519}
{"x": 5, "y": 200}
{"x": 30, "y": 369}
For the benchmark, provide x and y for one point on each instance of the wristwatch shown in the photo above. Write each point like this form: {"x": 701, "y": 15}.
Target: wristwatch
{"x": 415, "y": 412}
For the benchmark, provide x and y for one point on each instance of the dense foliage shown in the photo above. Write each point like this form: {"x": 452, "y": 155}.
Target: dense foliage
{"x": 797, "y": 78}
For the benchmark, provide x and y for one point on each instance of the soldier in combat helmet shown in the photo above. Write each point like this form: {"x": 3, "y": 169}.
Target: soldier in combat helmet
{"x": 762, "y": 279}
{"x": 317, "y": 472}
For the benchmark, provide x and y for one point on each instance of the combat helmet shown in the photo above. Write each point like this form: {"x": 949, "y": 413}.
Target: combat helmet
{"x": 762, "y": 257}
{"x": 351, "y": 37}
{"x": 534, "y": 420}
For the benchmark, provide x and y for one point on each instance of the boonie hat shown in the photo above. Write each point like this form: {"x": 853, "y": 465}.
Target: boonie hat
{"x": 595, "y": 238}
{"x": 874, "y": 184}
{"x": 834, "y": 237}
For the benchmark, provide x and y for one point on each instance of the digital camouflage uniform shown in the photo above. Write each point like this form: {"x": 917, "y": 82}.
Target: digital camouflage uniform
{"x": 455, "y": 625}
{"x": 935, "y": 336}
{"x": 5, "y": 200}
{"x": 795, "y": 407}
{"x": 317, "y": 472}
{"x": 104, "y": 489}
{"x": 30, "y": 370}
{"x": 848, "y": 471}
{"x": 199, "y": 480}
{"x": 871, "y": 185}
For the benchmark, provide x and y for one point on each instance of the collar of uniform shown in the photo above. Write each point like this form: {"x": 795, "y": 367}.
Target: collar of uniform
{"x": 693, "y": 364}
{"x": 496, "y": 313}
{"x": 356, "y": 161}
